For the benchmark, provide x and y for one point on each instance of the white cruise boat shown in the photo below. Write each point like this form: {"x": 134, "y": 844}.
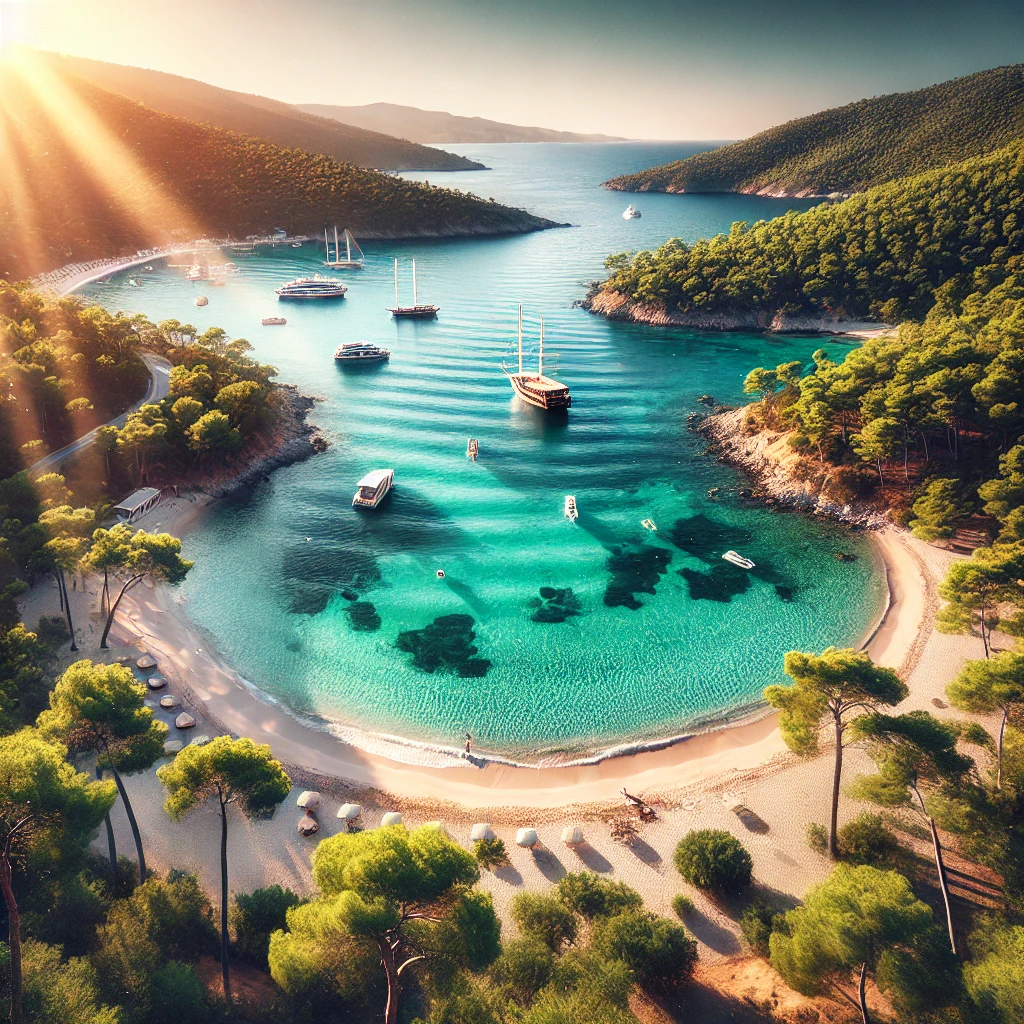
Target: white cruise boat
{"x": 360, "y": 352}
{"x": 631, "y": 213}
{"x": 737, "y": 559}
{"x": 373, "y": 488}
{"x": 315, "y": 287}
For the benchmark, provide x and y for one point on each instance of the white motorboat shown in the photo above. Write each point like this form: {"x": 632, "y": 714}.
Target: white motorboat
{"x": 648, "y": 524}
{"x": 631, "y": 213}
{"x": 315, "y": 287}
{"x": 373, "y": 488}
{"x": 273, "y": 321}
{"x": 571, "y": 512}
{"x": 360, "y": 352}
{"x": 738, "y": 559}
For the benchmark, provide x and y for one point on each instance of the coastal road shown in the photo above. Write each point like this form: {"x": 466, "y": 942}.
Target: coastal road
{"x": 159, "y": 384}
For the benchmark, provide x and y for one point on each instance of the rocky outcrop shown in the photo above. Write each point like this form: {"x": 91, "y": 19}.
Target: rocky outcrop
{"x": 783, "y": 476}
{"x": 617, "y": 306}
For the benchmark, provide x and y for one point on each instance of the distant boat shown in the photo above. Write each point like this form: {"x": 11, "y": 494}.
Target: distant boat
{"x": 536, "y": 389}
{"x": 373, "y": 488}
{"x": 648, "y": 524}
{"x": 347, "y": 263}
{"x": 315, "y": 287}
{"x": 202, "y": 300}
{"x": 360, "y": 352}
{"x": 738, "y": 559}
{"x": 631, "y": 213}
{"x": 472, "y": 449}
{"x": 571, "y": 512}
{"x": 273, "y": 321}
{"x": 416, "y": 310}
{"x": 296, "y": 245}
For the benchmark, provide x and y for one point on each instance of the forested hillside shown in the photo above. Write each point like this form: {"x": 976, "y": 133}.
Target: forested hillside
{"x": 86, "y": 173}
{"x": 280, "y": 123}
{"x": 848, "y": 149}
{"x": 886, "y": 254}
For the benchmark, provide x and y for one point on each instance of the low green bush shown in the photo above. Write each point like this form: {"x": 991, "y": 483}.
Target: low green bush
{"x": 682, "y": 904}
{"x": 714, "y": 860}
{"x": 658, "y": 951}
{"x": 545, "y": 918}
{"x": 868, "y": 840}
{"x": 757, "y": 922}
{"x": 490, "y": 853}
{"x": 590, "y": 895}
{"x": 255, "y": 916}
{"x": 817, "y": 837}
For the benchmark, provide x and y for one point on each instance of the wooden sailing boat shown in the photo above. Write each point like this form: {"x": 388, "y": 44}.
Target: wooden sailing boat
{"x": 536, "y": 389}
{"x": 416, "y": 310}
{"x": 347, "y": 263}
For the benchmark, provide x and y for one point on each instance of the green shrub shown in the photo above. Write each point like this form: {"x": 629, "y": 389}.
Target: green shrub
{"x": 545, "y": 918}
{"x": 58, "y": 991}
{"x": 682, "y": 904}
{"x": 714, "y": 860}
{"x": 524, "y": 968}
{"x": 817, "y": 837}
{"x": 490, "y": 853}
{"x": 591, "y": 896}
{"x": 757, "y": 922}
{"x": 52, "y": 630}
{"x": 255, "y": 916}
{"x": 656, "y": 950}
{"x": 178, "y": 996}
{"x": 868, "y": 840}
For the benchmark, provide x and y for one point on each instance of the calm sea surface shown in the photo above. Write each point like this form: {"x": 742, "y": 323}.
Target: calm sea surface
{"x": 543, "y": 636}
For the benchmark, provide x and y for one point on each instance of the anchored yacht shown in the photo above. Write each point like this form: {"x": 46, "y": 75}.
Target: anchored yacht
{"x": 631, "y": 213}
{"x": 360, "y": 352}
{"x": 536, "y": 389}
{"x": 738, "y": 559}
{"x": 418, "y": 310}
{"x": 373, "y": 488}
{"x": 315, "y": 287}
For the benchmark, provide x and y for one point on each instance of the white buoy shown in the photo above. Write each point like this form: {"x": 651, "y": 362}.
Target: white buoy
{"x": 440, "y": 574}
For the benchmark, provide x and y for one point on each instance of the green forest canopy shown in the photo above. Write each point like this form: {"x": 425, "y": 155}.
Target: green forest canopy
{"x": 886, "y": 254}
{"x": 850, "y": 148}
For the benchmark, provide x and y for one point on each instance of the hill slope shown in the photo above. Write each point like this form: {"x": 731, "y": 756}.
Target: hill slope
{"x": 847, "y": 149}
{"x": 888, "y": 254}
{"x": 267, "y": 119}
{"x": 438, "y": 126}
{"x": 85, "y": 173}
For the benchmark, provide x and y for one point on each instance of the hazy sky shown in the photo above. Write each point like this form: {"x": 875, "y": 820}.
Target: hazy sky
{"x": 669, "y": 69}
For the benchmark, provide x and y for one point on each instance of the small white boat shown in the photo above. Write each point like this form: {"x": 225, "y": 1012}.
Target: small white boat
{"x": 296, "y": 245}
{"x": 738, "y": 559}
{"x": 571, "y": 512}
{"x": 373, "y": 488}
{"x": 631, "y": 213}
{"x": 360, "y": 352}
{"x": 273, "y": 321}
{"x": 648, "y": 524}
{"x": 472, "y": 449}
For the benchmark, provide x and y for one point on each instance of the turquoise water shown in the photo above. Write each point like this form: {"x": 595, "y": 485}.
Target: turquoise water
{"x": 543, "y": 636}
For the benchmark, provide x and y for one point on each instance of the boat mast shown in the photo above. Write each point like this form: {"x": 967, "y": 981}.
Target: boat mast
{"x": 540, "y": 355}
{"x": 396, "y": 284}
{"x": 327, "y": 245}
{"x": 520, "y": 339}
{"x": 415, "y": 300}
{"x": 348, "y": 246}
{"x": 337, "y": 251}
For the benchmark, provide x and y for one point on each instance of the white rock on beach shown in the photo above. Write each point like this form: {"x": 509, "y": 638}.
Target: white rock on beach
{"x": 482, "y": 830}
{"x": 572, "y": 835}
{"x": 526, "y": 838}
{"x": 156, "y": 682}
{"x": 391, "y": 818}
{"x": 310, "y": 799}
{"x": 184, "y": 721}
{"x": 146, "y": 661}
{"x": 170, "y": 701}
{"x": 172, "y": 746}
{"x": 350, "y": 812}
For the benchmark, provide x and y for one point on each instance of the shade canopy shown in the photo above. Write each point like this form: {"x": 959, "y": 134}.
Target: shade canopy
{"x": 349, "y": 812}
{"x": 482, "y": 830}
{"x": 572, "y": 835}
{"x": 527, "y": 838}
{"x": 310, "y": 799}
{"x": 391, "y": 818}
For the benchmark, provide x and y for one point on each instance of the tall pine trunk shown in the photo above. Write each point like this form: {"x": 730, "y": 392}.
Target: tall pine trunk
{"x": 224, "y": 900}
{"x": 113, "y": 611}
{"x": 837, "y": 774}
{"x": 387, "y": 958}
{"x": 999, "y": 749}
{"x": 861, "y": 997}
{"x": 67, "y": 607}
{"x": 111, "y": 842}
{"x": 129, "y": 810}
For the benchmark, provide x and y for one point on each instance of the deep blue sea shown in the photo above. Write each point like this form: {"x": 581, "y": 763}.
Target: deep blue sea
{"x": 544, "y": 635}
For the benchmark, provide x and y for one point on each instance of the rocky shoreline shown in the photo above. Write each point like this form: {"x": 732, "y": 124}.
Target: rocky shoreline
{"x": 781, "y": 476}
{"x": 616, "y": 306}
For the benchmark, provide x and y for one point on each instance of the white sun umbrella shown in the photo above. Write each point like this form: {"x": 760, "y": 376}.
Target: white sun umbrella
{"x": 482, "y": 830}
{"x": 310, "y": 799}
{"x": 391, "y": 818}
{"x": 572, "y": 835}
{"x": 350, "y": 812}
{"x": 526, "y": 838}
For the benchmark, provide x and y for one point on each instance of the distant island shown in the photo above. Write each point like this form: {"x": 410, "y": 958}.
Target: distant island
{"x": 851, "y": 148}
{"x": 268, "y": 119}
{"x": 148, "y": 178}
{"x": 438, "y": 126}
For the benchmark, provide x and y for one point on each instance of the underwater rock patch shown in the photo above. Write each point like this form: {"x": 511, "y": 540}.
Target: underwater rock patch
{"x": 634, "y": 571}
{"x": 446, "y": 644}
{"x": 556, "y": 604}
{"x": 363, "y": 616}
{"x": 706, "y": 539}
{"x": 722, "y": 583}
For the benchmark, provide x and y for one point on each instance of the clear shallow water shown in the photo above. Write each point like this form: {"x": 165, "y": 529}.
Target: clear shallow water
{"x": 657, "y": 633}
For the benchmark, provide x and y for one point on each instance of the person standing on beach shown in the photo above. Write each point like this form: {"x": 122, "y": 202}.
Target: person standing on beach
{"x": 469, "y": 743}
